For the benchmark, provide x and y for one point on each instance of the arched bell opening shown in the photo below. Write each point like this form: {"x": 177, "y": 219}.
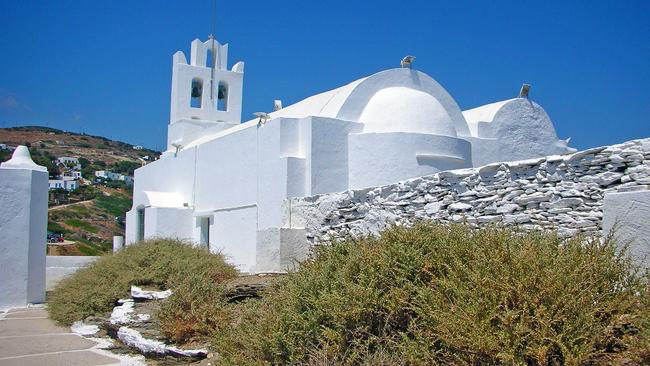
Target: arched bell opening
{"x": 222, "y": 96}
{"x": 196, "y": 93}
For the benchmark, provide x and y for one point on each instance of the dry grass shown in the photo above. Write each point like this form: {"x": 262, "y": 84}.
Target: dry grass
{"x": 447, "y": 295}
{"x": 163, "y": 263}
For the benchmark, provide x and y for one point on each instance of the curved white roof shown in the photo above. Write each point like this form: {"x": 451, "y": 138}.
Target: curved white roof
{"x": 484, "y": 113}
{"x": 401, "y": 109}
{"x": 411, "y": 101}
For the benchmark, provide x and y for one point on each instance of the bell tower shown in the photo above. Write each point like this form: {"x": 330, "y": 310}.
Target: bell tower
{"x": 206, "y": 96}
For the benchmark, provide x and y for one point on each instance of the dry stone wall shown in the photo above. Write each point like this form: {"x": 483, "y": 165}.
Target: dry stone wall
{"x": 556, "y": 192}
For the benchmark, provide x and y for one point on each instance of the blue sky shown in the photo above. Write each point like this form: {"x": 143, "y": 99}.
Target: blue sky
{"x": 104, "y": 67}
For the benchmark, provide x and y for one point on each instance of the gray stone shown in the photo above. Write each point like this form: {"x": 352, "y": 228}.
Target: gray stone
{"x": 516, "y": 219}
{"x": 566, "y": 202}
{"x": 507, "y": 208}
{"x": 432, "y": 208}
{"x": 488, "y": 219}
{"x": 459, "y": 206}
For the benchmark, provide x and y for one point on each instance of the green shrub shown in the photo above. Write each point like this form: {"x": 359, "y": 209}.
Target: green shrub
{"x": 447, "y": 295}
{"x": 117, "y": 204}
{"x": 82, "y": 225}
{"x": 163, "y": 263}
{"x": 195, "y": 309}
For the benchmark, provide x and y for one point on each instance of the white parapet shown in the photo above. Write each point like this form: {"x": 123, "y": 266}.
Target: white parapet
{"x": 23, "y": 225}
{"x": 627, "y": 214}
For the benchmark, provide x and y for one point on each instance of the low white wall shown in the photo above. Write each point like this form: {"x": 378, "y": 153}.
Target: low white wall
{"x": 59, "y": 267}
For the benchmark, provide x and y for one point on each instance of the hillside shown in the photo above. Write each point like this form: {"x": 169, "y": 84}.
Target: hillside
{"x": 91, "y": 215}
{"x": 89, "y": 226}
{"x": 97, "y": 150}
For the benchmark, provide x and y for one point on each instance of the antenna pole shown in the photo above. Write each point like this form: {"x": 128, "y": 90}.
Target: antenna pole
{"x": 212, "y": 38}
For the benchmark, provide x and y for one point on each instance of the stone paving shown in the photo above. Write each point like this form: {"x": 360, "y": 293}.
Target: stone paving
{"x": 28, "y": 337}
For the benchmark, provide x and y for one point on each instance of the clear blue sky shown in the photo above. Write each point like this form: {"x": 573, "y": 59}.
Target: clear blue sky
{"x": 104, "y": 67}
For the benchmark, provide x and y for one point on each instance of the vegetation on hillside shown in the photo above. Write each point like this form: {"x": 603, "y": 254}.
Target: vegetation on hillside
{"x": 447, "y": 295}
{"x": 159, "y": 263}
{"x": 60, "y": 143}
{"x": 91, "y": 214}
{"x": 92, "y": 224}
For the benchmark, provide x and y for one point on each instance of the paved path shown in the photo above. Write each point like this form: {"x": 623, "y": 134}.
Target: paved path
{"x": 28, "y": 337}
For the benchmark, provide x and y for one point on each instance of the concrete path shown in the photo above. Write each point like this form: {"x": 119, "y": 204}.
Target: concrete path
{"x": 28, "y": 337}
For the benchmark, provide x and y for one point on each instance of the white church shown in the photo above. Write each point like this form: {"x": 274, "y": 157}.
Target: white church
{"x": 222, "y": 183}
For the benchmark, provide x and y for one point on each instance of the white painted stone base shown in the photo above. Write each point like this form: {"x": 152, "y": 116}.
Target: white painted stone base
{"x": 628, "y": 214}
{"x": 280, "y": 250}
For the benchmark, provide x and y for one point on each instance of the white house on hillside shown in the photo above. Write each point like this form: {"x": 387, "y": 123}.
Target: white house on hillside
{"x": 72, "y": 163}
{"x": 105, "y": 174}
{"x": 222, "y": 183}
{"x": 62, "y": 182}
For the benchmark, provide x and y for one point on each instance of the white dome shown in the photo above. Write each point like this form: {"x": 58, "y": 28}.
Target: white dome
{"x": 403, "y": 109}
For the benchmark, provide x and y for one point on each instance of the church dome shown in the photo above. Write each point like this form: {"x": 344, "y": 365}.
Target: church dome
{"x": 404, "y": 109}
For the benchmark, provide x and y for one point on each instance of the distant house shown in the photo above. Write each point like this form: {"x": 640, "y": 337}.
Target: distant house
{"x": 69, "y": 162}
{"x": 127, "y": 179}
{"x": 105, "y": 174}
{"x": 3, "y": 146}
{"x": 72, "y": 173}
{"x": 137, "y": 147}
{"x": 67, "y": 183}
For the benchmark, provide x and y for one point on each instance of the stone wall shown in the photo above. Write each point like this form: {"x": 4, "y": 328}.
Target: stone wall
{"x": 556, "y": 192}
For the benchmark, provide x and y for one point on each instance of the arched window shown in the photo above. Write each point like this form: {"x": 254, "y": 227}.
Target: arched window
{"x": 222, "y": 96}
{"x": 196, "y": 93}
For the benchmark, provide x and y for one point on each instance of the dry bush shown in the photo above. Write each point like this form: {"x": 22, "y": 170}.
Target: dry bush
{"x": 435, "y": 294}
{"x": 163, "y": 263}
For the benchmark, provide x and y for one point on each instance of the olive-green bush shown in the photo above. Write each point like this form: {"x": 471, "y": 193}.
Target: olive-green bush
{"x": 440, "y": 295}
{"x": 162, "y": 263}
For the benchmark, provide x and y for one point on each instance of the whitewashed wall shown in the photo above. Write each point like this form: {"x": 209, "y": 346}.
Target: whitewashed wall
{"x": 59, "y": 267}
{"x": 557, "y": 192}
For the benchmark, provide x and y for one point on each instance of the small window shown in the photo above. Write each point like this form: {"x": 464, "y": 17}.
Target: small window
{"x": 140, "y": 226}
{"x": 196, "y": 93}
{"x": 222, "y": 96}
{"x": 204, "y": 240}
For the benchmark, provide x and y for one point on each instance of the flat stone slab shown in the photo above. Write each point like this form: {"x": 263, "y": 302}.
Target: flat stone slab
{"x": 23, "y": 327}
{"x": 26, "y": 313}
{"x": 27, "y": 345}
{"x": 28, "y": 337}
{"x": 77, "y": 358}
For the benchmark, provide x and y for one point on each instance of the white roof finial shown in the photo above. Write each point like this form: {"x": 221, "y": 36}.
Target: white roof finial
{"x": 21, "y": 159}
{"x": 407, "y": 61}
{"x": 523, "y": 92}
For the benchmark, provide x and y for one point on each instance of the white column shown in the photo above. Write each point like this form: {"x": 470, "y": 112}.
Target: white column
{"x": 23, "y": 225}
{"x": 118, "y": 243}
